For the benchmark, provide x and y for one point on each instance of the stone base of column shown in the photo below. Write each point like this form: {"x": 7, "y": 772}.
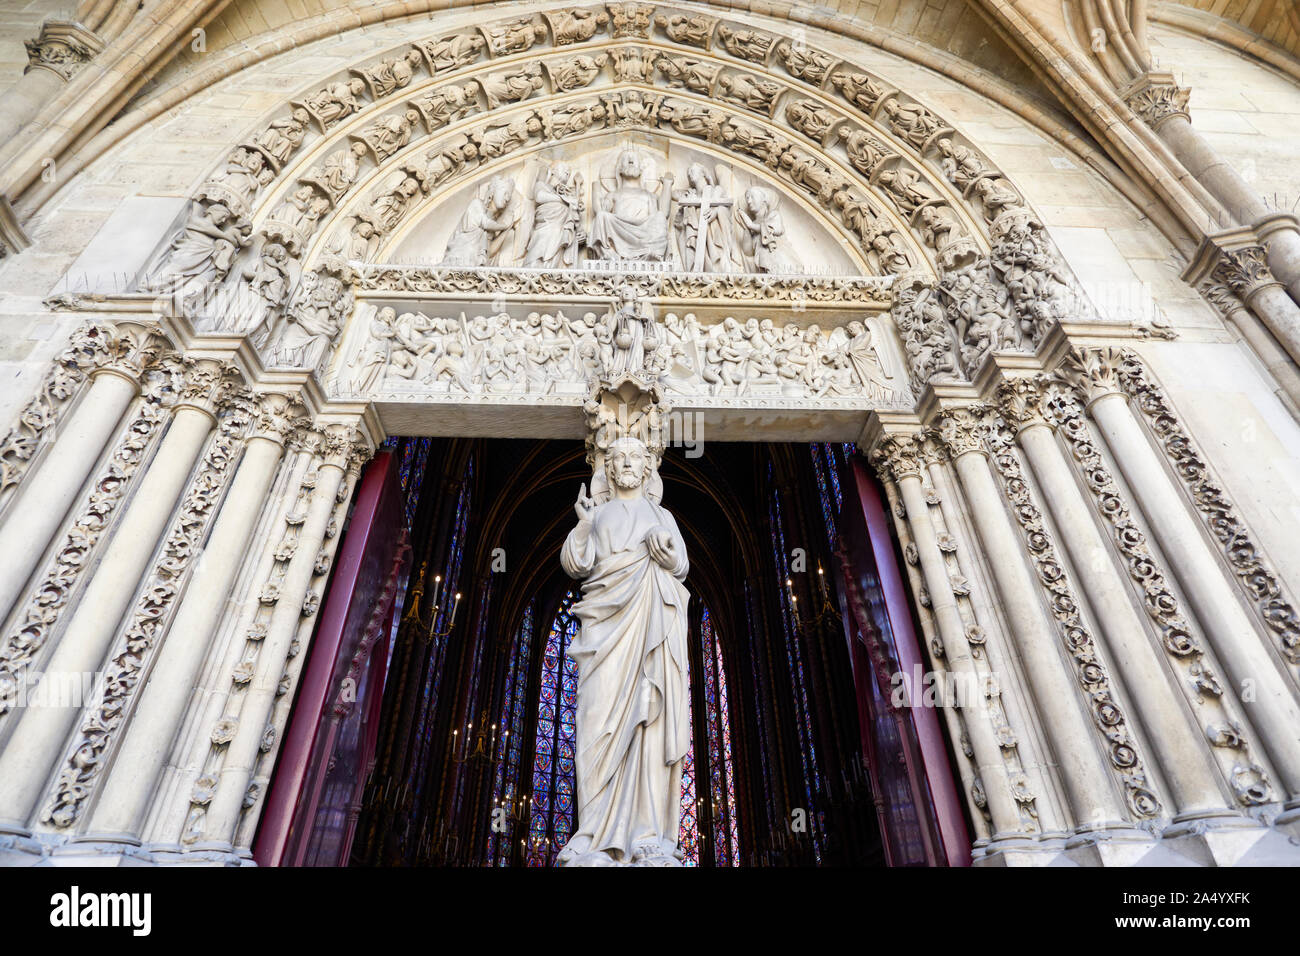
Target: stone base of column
{"x": 1249, "y": 844}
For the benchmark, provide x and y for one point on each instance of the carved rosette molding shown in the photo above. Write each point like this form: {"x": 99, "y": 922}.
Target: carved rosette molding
{"x": 1183, "y": 649}
{"x": 1063, "y": 603}
{"x": 1218, "y": 514}
{"x": 155, "y": 606}
{"x": 62, "y": 48}
{"x": 47, "y": 601}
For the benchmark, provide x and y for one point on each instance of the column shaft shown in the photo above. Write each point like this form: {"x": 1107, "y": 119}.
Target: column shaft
{"x": 139, "y": 762}
{"x": 241, "y": 754}
{"x": 1180, "y": 748}
{"x": 1083, "y": 769}
{"x": 49, "y": 490}
{"x": 943, "y": 605}
{"x": 1274, "y": 710}
{"x": 39, "y": 736}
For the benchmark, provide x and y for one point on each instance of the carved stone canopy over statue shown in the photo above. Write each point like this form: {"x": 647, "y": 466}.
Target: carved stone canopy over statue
{"x": 633, "y": 727}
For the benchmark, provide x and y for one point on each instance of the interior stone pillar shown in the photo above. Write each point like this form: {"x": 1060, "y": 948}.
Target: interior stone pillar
{"x": 1271, "y": 708}
{"x": 40, "y": 732}
{"x": 1179, "y": 747}
{"x": 242, "y": 751}
{"x": 1092, "y": 797}
{"x": 120, "y": 811}
{"x": 902, "y": 457}
{"x": 48, "y": 491}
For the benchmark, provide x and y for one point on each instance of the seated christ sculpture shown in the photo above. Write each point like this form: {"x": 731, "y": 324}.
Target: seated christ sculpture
{"x": 632, "y": 718}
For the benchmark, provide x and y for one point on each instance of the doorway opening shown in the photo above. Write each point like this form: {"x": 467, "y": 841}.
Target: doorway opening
{"x": 798, "y": 757}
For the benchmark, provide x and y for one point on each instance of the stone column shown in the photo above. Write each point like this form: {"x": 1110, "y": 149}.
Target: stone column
{"x": 41, "y": 731}
{"x": 1279, "y": 364}
{"x": 61, "y": 50}
{"x": 1180, "y": 748}
{"x": 120, "y": 811}
{"x": 1273, "y": 710}
{"x": 255, "y": 712}
{"x": 1246, "y": 272}
{"x": 1163, "y": 106}
{"x": 1091, "y": 795}
{"x": 48, "y": 491}
{"x": 901, "y": 456}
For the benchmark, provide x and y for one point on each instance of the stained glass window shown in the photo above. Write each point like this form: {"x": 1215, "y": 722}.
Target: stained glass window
{"x": 507, "y": 794}
{"x": 794, "y": 652}
{"x": 688, "y": 838}
{"x": 722, "y": 790}
{"x": 554, "y": 795}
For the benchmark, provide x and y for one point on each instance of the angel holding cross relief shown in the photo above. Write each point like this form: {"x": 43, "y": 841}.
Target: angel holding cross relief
{"x": 704, "y": 237}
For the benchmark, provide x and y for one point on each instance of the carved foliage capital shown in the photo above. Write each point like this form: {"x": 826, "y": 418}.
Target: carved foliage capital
{"x": 62, "y": 48}
{"x": 1158, "y": 103}
{"x": 897, "y": 457}
{"x": 277, "y": 416}
{"x": 339, "y": 444}
{"x": 961, "y": 430}
{"x": 1020, "y": 400}
{"x": 1245, "y": 271}
{"x": 207, "y": 384}
{"x": 1094, "y": 372}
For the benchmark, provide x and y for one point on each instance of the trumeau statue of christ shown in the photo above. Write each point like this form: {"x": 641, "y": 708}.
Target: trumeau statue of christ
{"x": 632, "y": 721}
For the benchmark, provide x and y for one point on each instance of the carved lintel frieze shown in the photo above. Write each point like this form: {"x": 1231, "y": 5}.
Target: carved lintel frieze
{"x": 62, "y": 48}
{"x": 1156, "y": 98}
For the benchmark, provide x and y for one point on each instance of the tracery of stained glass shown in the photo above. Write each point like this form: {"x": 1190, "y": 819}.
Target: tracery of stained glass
{"x": 808, "y": 750}
{"x": 688, "y": 838}
{"x": 443, "y": 596}
{"x": 506, "y": 790}
{"x": 722, "y": 789}
{"x": 553, "y": 771}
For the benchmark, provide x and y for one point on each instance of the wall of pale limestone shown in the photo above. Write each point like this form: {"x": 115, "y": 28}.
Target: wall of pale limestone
{"x": 104, "y": 224}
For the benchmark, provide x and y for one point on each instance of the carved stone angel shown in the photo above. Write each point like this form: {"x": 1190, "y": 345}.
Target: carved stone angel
{"x": 762, "y": 229}
{"x": 202, "y": 253}
{"x": 702, "y": 222}
{"x": 486, "y": 229}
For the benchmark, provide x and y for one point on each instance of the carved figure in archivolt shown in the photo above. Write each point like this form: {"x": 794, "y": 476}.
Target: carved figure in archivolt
{"x": 202, "y": 253}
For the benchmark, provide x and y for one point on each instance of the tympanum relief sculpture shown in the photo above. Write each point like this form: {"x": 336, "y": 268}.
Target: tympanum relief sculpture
{"x": 710, "y": 224}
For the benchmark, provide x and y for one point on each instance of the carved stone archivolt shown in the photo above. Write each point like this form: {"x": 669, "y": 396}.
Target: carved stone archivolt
{"x": 881, "y": 167}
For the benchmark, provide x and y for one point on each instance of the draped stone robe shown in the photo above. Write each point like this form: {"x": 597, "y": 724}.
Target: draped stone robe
{"x": 632, "y": 719}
